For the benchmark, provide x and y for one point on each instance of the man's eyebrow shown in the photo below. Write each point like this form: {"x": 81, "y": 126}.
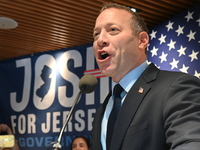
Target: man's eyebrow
{"x": 95, "y": 29}
{"x": 107, "y": 25}
{"x": 110, "y": 23}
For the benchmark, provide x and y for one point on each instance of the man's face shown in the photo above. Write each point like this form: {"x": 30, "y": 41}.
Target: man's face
{"x": 116, "y": 48}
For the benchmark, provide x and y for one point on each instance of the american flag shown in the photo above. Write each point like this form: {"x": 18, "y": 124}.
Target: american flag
{"x": 175, "y": 44}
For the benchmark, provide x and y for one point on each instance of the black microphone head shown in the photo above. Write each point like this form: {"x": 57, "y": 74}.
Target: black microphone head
{"x": 88, "y": 83}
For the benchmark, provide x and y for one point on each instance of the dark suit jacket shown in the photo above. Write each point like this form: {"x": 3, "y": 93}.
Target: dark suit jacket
{"x": 165, "y": 116}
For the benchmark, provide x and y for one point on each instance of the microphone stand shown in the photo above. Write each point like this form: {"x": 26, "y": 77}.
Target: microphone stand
{"x": 57, "y": 145}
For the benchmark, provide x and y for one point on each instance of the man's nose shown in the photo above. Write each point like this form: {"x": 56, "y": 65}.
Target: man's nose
{"x": 103, "y": 40}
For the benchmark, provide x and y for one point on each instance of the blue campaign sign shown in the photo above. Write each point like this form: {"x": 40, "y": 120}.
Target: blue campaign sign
{"x": 37, "y": 92}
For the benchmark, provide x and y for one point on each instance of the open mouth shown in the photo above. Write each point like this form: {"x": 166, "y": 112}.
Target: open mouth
{"x": 103, "y": 55}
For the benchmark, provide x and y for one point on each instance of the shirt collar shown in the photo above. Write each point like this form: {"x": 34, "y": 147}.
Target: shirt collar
{"x": 129, "y": 79}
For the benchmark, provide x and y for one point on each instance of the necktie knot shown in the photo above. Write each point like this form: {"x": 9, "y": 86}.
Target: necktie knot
{"x": 117, "y": 90}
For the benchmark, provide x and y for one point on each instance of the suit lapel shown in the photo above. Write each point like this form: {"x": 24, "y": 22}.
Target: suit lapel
{"x": 97, "y": 125}
{"x": 131, "y": 103}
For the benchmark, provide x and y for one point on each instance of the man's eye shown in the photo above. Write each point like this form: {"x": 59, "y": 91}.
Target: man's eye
{"x": 95, "y": 34}
{"x": 113, "y": 29}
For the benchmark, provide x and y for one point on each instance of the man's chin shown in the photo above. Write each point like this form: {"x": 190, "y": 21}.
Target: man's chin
{"x": 106, "y": 72}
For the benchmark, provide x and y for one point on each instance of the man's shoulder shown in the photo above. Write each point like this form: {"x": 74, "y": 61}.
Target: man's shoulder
{"x": 159, "y": 73}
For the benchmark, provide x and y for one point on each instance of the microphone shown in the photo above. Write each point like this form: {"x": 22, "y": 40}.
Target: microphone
{"x": 87, "y": 84}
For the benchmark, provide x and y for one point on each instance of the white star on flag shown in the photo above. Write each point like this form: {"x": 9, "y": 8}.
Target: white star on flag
{"x": 193, "y": 55}
{"x": 181, "y": 51}
{"x": 184, "y": 69}
{"x": 153, "y": 34}
{"x": 198, "y": 21}
{"x": 191, "y": 35}
{"x": 174, "y": 64}
{"x": 197, "y": 74}
{"x": 154, "y": 51}
{"x": 163, "y": 57}
{"x": 171, "y": 44}
{"x": 169, "y": 26}
{"x": 180, "y": 30}
{"x": 162, "y": 39}
{"x": 189, "y": 16}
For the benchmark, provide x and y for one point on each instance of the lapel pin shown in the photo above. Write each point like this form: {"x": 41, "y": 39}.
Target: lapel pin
{"x": 141, "y": 90}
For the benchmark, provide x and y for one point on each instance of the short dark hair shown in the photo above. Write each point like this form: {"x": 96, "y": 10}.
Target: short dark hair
{"x": 87, "y": 141}
{"x": 137, "y": 23}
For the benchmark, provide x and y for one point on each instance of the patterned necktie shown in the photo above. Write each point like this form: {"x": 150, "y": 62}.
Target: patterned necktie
{"x": 113, "y": 115}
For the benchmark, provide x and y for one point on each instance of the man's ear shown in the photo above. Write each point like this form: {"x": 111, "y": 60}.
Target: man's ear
{"x": 143, "y": 40}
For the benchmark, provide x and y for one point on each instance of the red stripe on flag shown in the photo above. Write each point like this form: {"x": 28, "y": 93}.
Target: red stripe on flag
{"x": 96, "y": 72}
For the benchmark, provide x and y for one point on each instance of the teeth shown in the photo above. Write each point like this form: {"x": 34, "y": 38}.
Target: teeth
{"x": 104, "y": 55}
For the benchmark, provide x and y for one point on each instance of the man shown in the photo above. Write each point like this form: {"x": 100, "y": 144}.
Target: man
{"x": 160, "y": 110}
